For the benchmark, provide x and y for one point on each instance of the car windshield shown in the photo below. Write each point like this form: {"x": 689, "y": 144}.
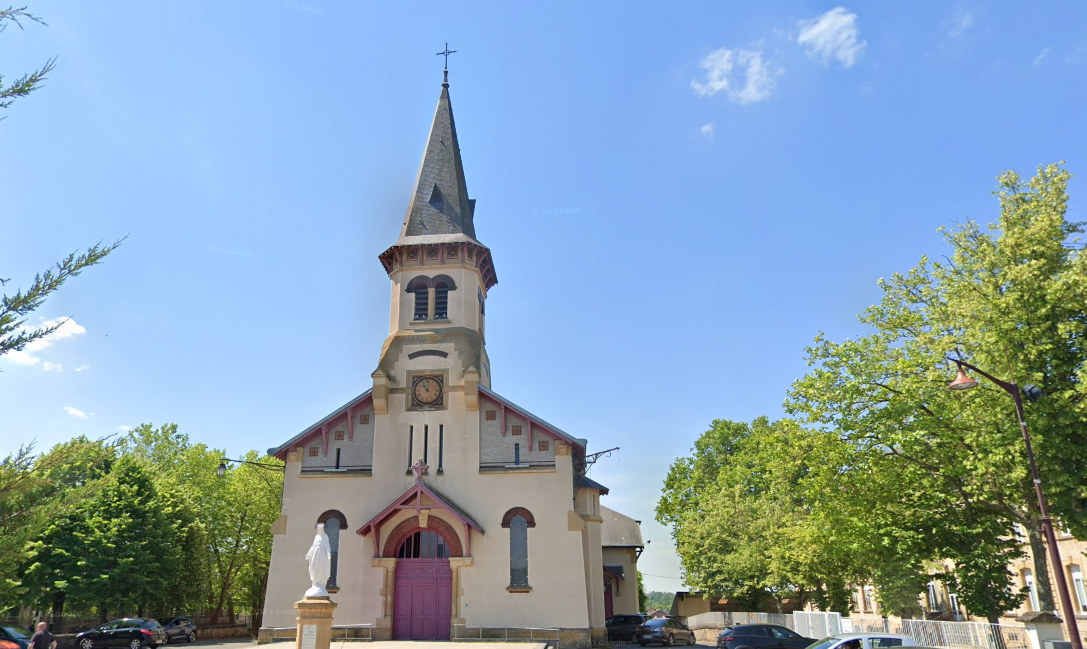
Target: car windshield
{"x": 825, "y": 643}
{"x": 13, "y": 632}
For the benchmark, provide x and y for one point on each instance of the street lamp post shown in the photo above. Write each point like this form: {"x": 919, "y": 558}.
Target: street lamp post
{"x": 222, "y": 465}
{"x": 964, "y": 382}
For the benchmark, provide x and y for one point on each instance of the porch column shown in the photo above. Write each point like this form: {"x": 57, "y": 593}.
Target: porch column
{"x": 384, "y": 628}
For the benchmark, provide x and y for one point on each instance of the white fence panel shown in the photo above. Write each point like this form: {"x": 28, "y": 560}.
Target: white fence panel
{"x": 815, "y": 624}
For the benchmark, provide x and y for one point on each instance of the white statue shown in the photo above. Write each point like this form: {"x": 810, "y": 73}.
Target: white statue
{"x": 320, "y": 563}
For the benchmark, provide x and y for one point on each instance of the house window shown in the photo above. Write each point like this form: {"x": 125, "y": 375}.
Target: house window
{"x": 411, "y": 442}
{"x": 333, "y": 521}
{"x": 1081, "y": 592}
{"x": 543, "y": 446}
{"x": 518, "y": 552}
{"x": 338, "y": 457}
{"x": 1028, "y": 583}
{"x": 421, "y": 305}
{"x": 441, "y": 301}
{"x": 426, "y": 442}
{"x": 516, "y": 453}
{"x": 933, "y": 603}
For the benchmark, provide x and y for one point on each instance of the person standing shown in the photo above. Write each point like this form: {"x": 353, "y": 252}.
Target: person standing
{"x": 42, "y": 639}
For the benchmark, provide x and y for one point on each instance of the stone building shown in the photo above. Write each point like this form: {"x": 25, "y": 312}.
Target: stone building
{"x": 447, "y": 504}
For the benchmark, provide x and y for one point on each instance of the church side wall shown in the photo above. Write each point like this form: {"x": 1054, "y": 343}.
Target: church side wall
{"x": 625, "y": 602}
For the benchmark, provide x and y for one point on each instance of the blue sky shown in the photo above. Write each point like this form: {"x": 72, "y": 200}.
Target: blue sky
{"x": 678, "y": 199}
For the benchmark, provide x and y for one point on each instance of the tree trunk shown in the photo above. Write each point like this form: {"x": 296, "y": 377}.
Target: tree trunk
{"x": 1041, "y": 566}
{"x": 58, "y": 612}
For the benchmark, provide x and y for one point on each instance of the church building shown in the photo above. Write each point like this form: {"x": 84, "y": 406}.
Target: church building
{"x": 452, "y": 511}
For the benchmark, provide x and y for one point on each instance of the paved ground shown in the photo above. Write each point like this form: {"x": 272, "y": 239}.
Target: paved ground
{"x": 244, "y": 643}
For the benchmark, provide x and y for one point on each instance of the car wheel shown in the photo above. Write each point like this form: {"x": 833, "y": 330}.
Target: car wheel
{"x": 643, "y": 643}
{"x": 192, "y": 636}
{"x": 135, "y": 643}
{"x": 692, "y": 640}
{"x": 670, "y": 641}
{"x": 86, "y": 643}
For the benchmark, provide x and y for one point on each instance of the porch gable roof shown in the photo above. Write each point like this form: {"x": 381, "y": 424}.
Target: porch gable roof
{"x": 404, "y": 502}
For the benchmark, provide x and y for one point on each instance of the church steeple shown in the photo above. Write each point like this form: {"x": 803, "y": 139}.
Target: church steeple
{"x": 439, "y": 205}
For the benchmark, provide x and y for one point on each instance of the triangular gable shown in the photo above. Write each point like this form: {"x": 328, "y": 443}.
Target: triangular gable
{"x": 534, "y": 422}
{"x": 322, "y": 427}
{"x": 412, "y": 499}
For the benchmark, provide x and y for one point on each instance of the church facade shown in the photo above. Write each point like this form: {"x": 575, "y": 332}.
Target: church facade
{"x": 452, "y": 511}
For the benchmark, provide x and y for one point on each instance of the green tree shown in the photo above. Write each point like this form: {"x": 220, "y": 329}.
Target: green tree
{"x": 1010, "y": 298}
{"x": 30, "y": 81}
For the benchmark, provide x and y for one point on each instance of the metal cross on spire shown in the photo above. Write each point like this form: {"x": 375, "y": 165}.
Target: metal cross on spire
{"x": 446, "y": 53}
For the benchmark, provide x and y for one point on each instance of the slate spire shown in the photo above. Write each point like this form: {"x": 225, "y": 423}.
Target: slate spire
{"x": 440, "y": 209}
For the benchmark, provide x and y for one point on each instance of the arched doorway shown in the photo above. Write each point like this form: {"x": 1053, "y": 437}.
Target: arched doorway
{"x": 423, "y": 604}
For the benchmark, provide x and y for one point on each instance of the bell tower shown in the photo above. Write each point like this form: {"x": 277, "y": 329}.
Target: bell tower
{"x": 440, "y": 275}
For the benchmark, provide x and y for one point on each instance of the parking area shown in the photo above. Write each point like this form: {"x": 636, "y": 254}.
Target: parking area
{"x": 240, "y": 643}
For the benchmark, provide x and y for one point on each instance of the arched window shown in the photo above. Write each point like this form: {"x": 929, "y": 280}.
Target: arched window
{"x": 518, "y": 552}
{"x": 334, "y": 521}
{"x": 441, "y": 300}
{"x": 423, "y": 544}
{"x": 421, "y": 299}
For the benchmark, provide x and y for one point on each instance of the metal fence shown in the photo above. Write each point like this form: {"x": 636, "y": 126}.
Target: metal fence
{"x": 340, "y": 633}
{"x": 722, "y": 619}
{"x": 929, "y": 633}
{"x": 465, "y": 632}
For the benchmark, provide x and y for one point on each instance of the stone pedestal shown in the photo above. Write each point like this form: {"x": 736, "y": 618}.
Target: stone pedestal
{"x": 314, "y": 623}
{"x": 1043, "y": 628}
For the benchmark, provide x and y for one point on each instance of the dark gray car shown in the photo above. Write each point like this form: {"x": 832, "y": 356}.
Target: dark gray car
{"x": 180, "y": 628}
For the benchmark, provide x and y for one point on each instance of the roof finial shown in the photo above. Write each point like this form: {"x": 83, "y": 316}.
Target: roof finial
{"x": 445, "y": 72}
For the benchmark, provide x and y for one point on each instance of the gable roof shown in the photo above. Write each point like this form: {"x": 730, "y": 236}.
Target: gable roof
{"x": 619, "y": 531}
{"x": 304, "y": 437}
{"x": 415, "y": 491}
{"x": 554, "y": 431}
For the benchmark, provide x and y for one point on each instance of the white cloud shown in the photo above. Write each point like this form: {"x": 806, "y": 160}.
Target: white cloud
{"x": 123, "y": 429}
{"x": 758, "y": 81}
{"x": 708, "y": 130}
{"x": 68, "y": 328}
{"x": 960, "y": 22}
{"x": 1041, "y": 55}
{"x": 82, "y": 367}
{"x": 79, "y": 414}
{"x": 832, "y": 37}
{"x": 21, "y": 357}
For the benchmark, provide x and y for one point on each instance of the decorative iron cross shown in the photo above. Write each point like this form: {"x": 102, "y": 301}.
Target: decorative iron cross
{"x": 419, "y": 468}
{"x": 446, "y": 53}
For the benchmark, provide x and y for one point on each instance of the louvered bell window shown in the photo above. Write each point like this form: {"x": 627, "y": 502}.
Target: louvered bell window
{"x": 441, "y": 301}
{"x": 421, "y": 303}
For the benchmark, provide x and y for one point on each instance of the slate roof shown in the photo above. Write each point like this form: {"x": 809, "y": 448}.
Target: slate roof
{"x": 619, "y": 531}
{"x": 585, "y": 482}
{"x": 439, "y": 202}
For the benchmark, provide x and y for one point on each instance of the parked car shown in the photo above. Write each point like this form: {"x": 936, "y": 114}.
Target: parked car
{"x": 864, "y": 641}
{"x": 130, "y": 632}
{"x": 666, "y": 631}
{"x": 622, "y": 627}
{"x": 180, "y": 628}
{"x": 761, "y": 636}
{"x": 12, "y": 635}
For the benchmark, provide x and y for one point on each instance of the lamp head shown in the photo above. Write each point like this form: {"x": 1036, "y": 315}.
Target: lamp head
{"x": 222, "y": 469}
{"x": 1031, "y": 392}
{"x": 962, "y": 381}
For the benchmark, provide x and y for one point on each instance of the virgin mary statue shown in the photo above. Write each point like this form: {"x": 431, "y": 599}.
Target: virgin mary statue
{"x": 319, "y": 558}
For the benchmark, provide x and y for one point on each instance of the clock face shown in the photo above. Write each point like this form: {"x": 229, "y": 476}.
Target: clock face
{"x": 427, "y": 390}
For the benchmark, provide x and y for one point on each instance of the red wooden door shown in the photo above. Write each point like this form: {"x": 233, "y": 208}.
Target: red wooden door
{"x": 423, "y": 605}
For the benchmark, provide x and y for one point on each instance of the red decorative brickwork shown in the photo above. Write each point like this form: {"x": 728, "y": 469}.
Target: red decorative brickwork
{"x": 491, "y": 415}
{"x": 544, "y": 446}
{"x": 333, "y": 513}
{"x": 518, "y": 511}
{"x": 411, "y": 525}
